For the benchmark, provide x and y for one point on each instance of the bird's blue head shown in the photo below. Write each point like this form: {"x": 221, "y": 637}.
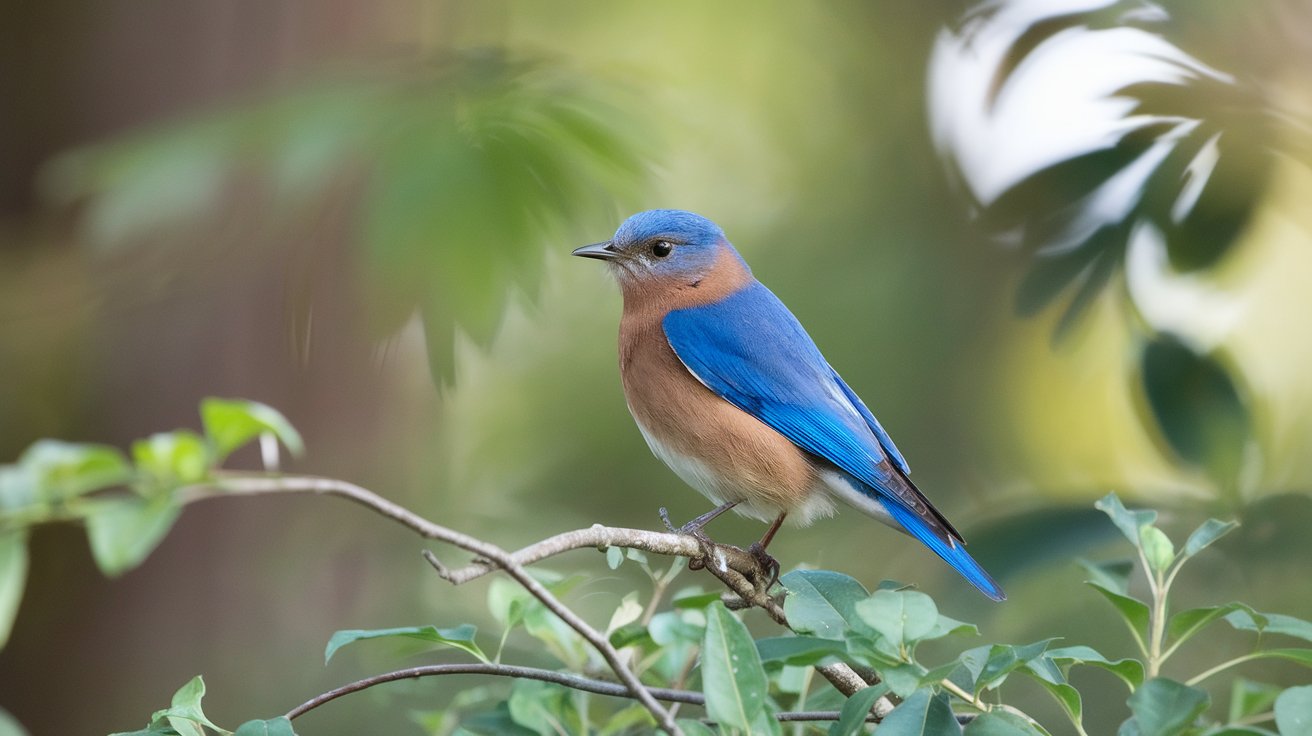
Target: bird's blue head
{"x": 669, "y": 246}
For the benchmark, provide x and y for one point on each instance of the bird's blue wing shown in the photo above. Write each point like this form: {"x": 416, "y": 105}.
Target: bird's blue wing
{"x": 751, "y": 351}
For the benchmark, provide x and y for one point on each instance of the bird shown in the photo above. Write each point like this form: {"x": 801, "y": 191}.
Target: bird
{"x": 733, "y": 395}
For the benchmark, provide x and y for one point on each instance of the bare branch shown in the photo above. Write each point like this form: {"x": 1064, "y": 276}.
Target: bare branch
{"x": 577, "y": 682}
{"x": 739, "y": 570}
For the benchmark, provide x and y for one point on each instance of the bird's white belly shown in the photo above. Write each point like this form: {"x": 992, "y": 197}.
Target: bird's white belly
{"x": 722, "y": 488}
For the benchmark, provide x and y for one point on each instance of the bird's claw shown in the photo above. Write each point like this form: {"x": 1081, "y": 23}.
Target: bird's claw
{"x": 768, "y": 563}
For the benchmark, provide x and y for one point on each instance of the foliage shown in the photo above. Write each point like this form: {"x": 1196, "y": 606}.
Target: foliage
{"x": 694, "y": 644}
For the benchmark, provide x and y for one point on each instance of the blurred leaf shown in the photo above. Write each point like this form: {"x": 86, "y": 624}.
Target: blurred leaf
{"x": 1196, "y": 407}
{"x": 1001, "y": 723}
{"x": 1050, "y": 535}
{"x": 1246, "y": 619}
{"x": 124, "y": 531}
{"x": 59, "y": 471}
{"x": 172, "y": 459}
{"x": 279, "y": 726}
{"x": 1165, "y": 707}
{"x": 1129, "y": 522}
{"x": 231, "y": 423}
{"x": 1249, "y": 698}
{"x": 633, "y": 719}
{"x": 614, "y": 557}
{"x": 9, "y": 726}
{"x": 1210, "y": 531}
{"x": 922, "y": 714}
{"x": 1113, "y": 575}
{"x": 700, "y": 600}
{"x": 461, "y": 637}
{"x": 668, "y": 627}
{"x": 496, "y": 722}
{"x": 852, "y": 718}
{"x": 1183, "y": 625}
{"x": 544, "y": 707}
{"x": 626, "y": 613}
{"x": 185, "y": 714}
{"x": 904, "y": 678}
{"x": 1130, "y": 671}
{"x": 13, "y": 578}
{"x": 902, "y": 617}
{"x": 732, "y": 677}
{"x": 1157, "y": 548}
{"x": 947, "y": 626}
{"x": 820, "y": 602}
{"x": 798, "y": 650}
{"x": 1294, "y": 711}
{"x": 695, "y": 728}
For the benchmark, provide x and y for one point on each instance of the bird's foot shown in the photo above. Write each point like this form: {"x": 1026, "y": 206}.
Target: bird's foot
{"x": 769, "y": 565}
{"x": 694, "y": 530}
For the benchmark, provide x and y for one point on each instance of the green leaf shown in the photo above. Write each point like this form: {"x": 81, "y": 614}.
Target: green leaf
{"x": 1198, "y": 408}
{"x": 948, "y": 626}
{"x": 1129, "y": 522}
{"x": 154, "y": 729}
{"x": 1132, "y": 610}
{"x": 185, "y": 714}
{"x": 279, "y": 726}
{"x": 1210, "y": 531}
{"x": 699, "y": 600}
{"x": 732, "y": 677}
{"x": 1130, "y": 671}
{"x": 124, "y": 531}
{"x": 1003, "y": 659}
{"x": 903, "y": 678}
{"x": 1157, "y": 548}
{"x": 633, "y": 719}
{"x": 9, "y": 726}
{"x": 922, "y": 714}
{"x": 821, "y": 602}
{"x": 669, "y": 627}
{"x": 1114, "y": 575}
{"x": 544, "y": 707}
{"x": 1165, "y": 707}
{"x": 13, "y": 578}
{"x": 798, "y": 650}
{"x": 60, "y": 471}
{"x": 172, "y": 459}
{"x": 496, "y": 722}
{"x": 1301, "y": 656}
{"x": 902, "y": 617}
{"x": 852, "y": 718}
{"x": 1045, "y": 672}
{"x": 614, "y": 557}
{"x": 1246, "y": 619}
{"x": 1001, "y": 723}
{"x": 231, "y": 423}
{"x": 461, "y": 637}
{"x": 695, "y": 728}
{"x": 1250, "y": 698}
{"x": 1183, "y": 625}
{"x": 1294, "y": 711}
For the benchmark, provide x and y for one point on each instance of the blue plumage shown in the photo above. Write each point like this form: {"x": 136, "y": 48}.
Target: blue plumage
{"x": 778, "y": 430}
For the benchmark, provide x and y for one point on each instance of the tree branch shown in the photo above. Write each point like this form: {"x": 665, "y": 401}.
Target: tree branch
{"x": 739, "y": 570}
{"x": 577, "y": 682}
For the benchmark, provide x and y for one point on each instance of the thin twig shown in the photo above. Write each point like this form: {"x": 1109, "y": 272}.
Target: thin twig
{"x": 577, "y": 682}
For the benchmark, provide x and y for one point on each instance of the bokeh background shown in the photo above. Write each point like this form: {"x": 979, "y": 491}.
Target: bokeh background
{"x": 360, "y": 213}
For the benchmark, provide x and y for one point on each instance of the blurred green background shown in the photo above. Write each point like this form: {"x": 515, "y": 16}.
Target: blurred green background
{"x": 360, "y": 213}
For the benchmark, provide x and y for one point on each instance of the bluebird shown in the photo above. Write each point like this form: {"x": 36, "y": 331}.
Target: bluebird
{"x": 732, "y": 394}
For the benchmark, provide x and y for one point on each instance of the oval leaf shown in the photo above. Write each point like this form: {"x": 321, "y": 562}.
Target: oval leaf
{"x": 13, "y": 577}
{"x": 124, "y": 531}
{"x": 732, "y": 677}
{"x": 231, "y": 423}
{"x": 279, "y": 726}
{"x": 901, "y": 617}
{"x": 460, "y": 637}
{"x": 821, "y": 602}
{"x": 1294, "y": 711}
{"x": 1165, "y": 707}
{"x": 852, "y": 719}
{"x": 922, "y": 714}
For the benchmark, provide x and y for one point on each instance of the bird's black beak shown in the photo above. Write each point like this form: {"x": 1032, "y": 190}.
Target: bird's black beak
{"x": 601, "y": 251}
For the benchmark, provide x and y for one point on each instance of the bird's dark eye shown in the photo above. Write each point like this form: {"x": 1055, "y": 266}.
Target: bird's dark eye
{"x": 661, "y": 249}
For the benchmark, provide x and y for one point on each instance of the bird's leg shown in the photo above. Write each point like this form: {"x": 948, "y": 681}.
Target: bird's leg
{"x": 694, "y": 528}
{"x": 768, "y": 562}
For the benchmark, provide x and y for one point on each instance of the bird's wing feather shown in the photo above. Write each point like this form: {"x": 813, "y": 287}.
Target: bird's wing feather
{"x": 750, "y": 350}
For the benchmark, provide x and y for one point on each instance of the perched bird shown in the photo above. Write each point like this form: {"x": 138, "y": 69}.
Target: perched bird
{"x": 733, "y": 395}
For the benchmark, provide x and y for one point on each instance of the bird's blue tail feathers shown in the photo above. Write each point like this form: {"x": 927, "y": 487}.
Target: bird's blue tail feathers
{"x": 952, "y": 551}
